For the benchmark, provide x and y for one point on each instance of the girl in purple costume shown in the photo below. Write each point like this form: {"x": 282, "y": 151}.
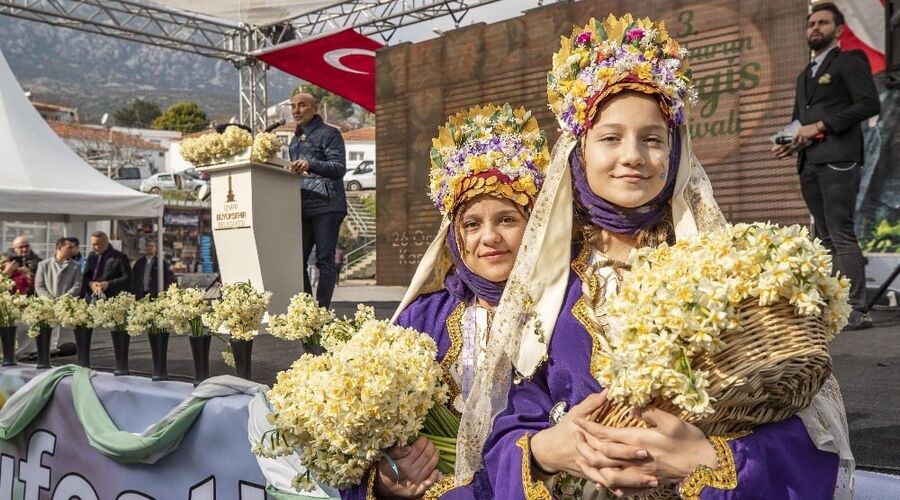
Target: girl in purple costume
{"x": 628, "y": 176}
{"x": 485, "y": 179}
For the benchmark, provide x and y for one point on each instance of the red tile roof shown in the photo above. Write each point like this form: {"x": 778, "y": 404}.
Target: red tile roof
{"x": 100, "y": 135}
{"x": 360, "y": 134}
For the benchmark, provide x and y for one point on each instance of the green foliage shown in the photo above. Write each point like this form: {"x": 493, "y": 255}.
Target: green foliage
{"x": 370, "y": 204}
{"x": 185, "y": 117}
{"x": 885, "y": 238}
{"x": 139, "y": 113}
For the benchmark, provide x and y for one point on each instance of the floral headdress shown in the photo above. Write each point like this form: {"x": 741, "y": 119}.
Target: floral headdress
{"x": 488, "y": 150}
{"x": 602, "y": 58}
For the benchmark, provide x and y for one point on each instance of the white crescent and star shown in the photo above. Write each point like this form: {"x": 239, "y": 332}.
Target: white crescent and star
{"x": 333, "y": 58}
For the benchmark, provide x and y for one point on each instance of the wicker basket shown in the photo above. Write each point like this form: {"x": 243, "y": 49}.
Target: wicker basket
{"x": 766, "y": 373}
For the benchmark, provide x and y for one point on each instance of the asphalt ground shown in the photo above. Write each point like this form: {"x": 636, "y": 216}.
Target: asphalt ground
{"x": 866, "y": 363}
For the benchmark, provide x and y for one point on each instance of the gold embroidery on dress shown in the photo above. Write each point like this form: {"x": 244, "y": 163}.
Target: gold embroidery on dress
{"x": 445, "y": 485}
{"x": 724, "y": 477}
{"x": 370, "y": 483}
{"x": 534, "y": 490}
{"x": 454, "y": 331}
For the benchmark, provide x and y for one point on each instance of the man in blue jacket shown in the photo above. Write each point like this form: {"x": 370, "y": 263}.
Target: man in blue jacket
{"x": 317, "y": 151}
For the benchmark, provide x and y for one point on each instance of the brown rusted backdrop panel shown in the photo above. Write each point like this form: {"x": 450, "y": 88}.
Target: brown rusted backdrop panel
{"x": 745, "y": 57}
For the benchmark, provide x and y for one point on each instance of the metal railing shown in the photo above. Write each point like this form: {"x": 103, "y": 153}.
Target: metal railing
{"x": 357, "y": 255}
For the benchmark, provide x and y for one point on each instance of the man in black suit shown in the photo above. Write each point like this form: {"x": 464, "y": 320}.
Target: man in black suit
{"x": 834, "y": 95}
{"x": 107, "y": 271}
{"x": 145, "y": 278}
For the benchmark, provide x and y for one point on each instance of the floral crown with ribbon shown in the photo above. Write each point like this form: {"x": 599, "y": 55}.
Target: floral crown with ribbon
{"x": 603, "y": 58}
{"x": 488, "y": 150}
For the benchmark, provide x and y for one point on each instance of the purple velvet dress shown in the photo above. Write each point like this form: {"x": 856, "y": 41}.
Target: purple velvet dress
{"x": 430, "y": 314}
{"x": 774, "y": 461}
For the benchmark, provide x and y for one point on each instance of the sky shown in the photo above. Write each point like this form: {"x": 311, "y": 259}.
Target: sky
{"x": 497, "y": 11}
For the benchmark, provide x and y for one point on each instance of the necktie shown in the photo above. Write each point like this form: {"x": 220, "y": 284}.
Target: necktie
{"x": 812, "y": 68}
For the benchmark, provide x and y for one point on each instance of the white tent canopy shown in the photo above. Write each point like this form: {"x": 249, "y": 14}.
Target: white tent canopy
{"x": 255, "y": 12}
{"x": 41, "y": 178}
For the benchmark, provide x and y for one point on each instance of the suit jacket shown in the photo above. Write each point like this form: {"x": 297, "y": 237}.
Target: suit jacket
{"x": 137, "y": 277}
{"x": 842, "y": 94}
{"x": 115, "y": 269}
{"x": 67, "y": 282}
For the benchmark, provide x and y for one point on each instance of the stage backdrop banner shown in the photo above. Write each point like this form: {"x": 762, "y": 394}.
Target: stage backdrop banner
{"x": 745, "y": 58}
{"x": 186, "y": 437}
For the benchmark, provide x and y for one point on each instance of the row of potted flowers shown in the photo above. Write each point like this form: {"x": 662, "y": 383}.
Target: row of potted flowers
{"x": 184, "y": 311}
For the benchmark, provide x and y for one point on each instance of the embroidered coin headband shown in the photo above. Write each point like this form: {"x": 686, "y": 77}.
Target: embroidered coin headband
{"x": 490, "y": 150}
{"x": 617, "y": 54}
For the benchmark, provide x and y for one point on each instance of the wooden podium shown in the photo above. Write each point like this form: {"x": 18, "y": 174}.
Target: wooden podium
{"x": 256, "y": 227}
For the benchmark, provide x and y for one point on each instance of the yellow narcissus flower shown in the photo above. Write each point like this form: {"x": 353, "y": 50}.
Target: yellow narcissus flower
{"x": 680, "y": 299}
{"x": 341, "y": 409}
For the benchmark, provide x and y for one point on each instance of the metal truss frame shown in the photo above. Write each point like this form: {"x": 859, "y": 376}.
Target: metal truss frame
{"x": 370, "y": 17}
{"x": 236, "y": 42}
{"x": 132, "y": 21}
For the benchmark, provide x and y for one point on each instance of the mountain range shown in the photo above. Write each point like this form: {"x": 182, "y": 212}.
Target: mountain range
{"x": 100, "y": 74}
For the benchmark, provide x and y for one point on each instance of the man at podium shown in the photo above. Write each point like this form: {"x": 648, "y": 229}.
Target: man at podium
{"x": 317, "y": 153}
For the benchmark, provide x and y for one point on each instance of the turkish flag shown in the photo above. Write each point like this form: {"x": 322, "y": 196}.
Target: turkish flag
{"x": 341, "y": 62}
{"x": 864, "y": 29}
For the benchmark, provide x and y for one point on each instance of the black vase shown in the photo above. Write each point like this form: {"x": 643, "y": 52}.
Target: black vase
{"x": 83, "y": 346}
{"x": 200, "y": 353}
{"x": 241, "y": 350}
{"x": 8, "y": 342}
{"x": 43, "y": 347}
{"x": 120, "y": 340}
{"x": 159, "y": 350}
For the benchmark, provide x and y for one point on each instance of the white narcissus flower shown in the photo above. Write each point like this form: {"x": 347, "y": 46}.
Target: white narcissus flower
{"x": 678, "y": 300}
{"x": 39, "y": 313}
{"x": 240, "y": 311}
{"x": 74, "y": 312}
{"x": 148, "y": 315}
{"x": 341, "y": 409}
{"x": 113, "y": 312}
{"x": 184, "y": 309}
{"x": 304, "y": 320}
{"x": 11, "y": 306}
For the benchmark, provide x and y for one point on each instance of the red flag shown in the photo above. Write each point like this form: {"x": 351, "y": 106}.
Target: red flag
{"x": 341, "y": 62}
{"x": 864, "y": 29}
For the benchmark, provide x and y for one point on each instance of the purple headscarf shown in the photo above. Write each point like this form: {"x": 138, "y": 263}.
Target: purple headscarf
{"x": 463, "y": 284}
{"x": 621, "y": 220}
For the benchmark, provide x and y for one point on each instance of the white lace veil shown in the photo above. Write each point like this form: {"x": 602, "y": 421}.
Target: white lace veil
{"x": 535, "y": 291}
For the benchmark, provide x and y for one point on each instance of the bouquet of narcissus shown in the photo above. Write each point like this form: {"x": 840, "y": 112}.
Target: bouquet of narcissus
{"x": 148, "y": 315}
{"x": 728, "y": 329}
{"x": 184, "y": 310}
{"x": 240, "y": 311}
{"x": 340, "y": 410}
{"x": 39, "y": 313}
{"x": 113, "y": 312}
{"x": 304, "y": 320}
{"x": 74, "y": 312}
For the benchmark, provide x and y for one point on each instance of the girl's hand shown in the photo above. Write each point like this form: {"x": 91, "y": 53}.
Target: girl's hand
{"x": 555, "y": 449}
{"x": 417, "y": 467}
{"x": 675, "y": 448}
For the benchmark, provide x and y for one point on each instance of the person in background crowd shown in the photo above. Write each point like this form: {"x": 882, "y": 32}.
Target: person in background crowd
{"x": 835, "y": 93}
{"x": 21, "y": 248}
{"x": 15, "y": 270}
{"x": 107, "y": 271}
{"x": 317, "y": 153}
{"x": 145, "y": 274}
{"x": 59, "y": 275}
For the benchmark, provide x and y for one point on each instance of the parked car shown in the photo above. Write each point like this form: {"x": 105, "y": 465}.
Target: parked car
{"x": 179, "y": 180}
{"x": 361, "y": 177}
{"x": 130, "y": 176}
